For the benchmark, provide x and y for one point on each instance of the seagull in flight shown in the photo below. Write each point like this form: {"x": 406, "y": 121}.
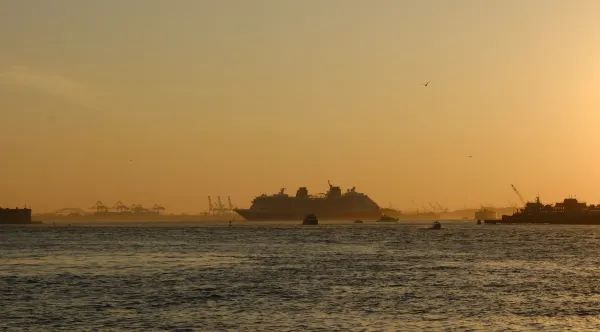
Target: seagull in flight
{"x": 426, "y": 84}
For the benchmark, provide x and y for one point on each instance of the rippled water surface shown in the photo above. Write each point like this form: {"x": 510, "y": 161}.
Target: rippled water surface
{"x": 278, "y": 277}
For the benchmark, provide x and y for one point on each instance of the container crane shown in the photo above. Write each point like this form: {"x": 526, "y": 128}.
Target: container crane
{"x": 100, "y": 207}
{"x": 210, "y": 205}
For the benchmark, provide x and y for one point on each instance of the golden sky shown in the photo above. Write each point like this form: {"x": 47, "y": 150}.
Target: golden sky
{"x": 170, "y": 101}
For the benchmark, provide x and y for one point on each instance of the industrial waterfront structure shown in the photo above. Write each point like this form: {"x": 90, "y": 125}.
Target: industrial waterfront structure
{"x": 15, "y": 216}
{"x": 569, "y": 211}
{"x": 122, "y": 210}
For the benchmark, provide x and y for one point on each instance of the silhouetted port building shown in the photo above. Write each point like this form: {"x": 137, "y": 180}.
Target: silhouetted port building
{"x": 15, "y": 216}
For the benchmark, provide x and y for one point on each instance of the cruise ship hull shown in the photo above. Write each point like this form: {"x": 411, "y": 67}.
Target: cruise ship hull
{"x": 299, "y": 215}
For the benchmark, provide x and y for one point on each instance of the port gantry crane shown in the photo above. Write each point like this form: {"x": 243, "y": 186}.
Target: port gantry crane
{"x": 518, "y": 194}
{"x": 157, "y": 208}
{"x": 120, "y": 207}
{"x": 100, "y": 207}
{"x": 218, "y": 207}
{"x": 210, "y": 205}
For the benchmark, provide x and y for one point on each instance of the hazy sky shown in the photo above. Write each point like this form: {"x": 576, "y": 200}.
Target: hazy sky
{"x": 170, "y": 101}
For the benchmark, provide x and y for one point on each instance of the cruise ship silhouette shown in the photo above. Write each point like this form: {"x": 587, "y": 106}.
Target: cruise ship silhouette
{"x": 334, "y": 205}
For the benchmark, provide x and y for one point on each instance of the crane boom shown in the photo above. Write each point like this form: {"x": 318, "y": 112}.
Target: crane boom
{"x": 518, "y": 194}
{"x": 210, "y": 205}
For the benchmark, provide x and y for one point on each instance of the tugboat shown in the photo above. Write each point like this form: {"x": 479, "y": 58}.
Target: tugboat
{"x": 310, "y": 219}
{"x": 386, "y": 218}
{"x": 358, "y": 221}
{"x": 436, "y": 225}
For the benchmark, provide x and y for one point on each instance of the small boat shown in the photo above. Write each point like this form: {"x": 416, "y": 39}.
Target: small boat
{"x": 385, "y": 218}
{"x": 310, "y": 219}
{"x": 358, "y": 221}
{"x": 478, "y": 222}
{"x": 436, "y": 225}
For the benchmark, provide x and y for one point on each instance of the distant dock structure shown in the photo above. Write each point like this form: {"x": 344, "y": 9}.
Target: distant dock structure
{"x": 486, "y": 213}
{"x": 15, "y": 216}
{"x": 122, "y": 210}
{"x": 217, "y": 208}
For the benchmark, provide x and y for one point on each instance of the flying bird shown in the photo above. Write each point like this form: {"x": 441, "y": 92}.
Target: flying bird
{"x": 426, "y": 84}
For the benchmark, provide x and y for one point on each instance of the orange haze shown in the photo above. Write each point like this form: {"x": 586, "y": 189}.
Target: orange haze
{"x": 171, "y": 101}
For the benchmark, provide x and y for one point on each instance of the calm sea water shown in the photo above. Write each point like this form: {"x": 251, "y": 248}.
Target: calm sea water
{"x": 278, "y": 277}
